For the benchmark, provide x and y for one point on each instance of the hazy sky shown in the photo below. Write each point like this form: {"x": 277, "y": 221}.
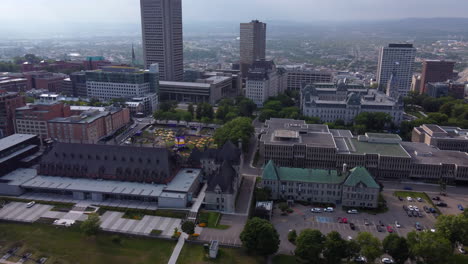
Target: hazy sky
{"x": 127, "y": 11}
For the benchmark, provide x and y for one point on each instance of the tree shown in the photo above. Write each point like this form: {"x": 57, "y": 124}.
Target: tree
{"x": 191, "y": 110}
{"x": 266, "y": 114}
{"x": 237, "y": 129}
{"x": 246, "y": 107}
{"x": 431, "y": 247}
{"x": 370, "y": 246}
{"x": 453, "y": 227}
{"x": 397, "y": 247}
{"x": 260, "y": 237}
{"x": 309, "y": 245}
{"x": 335, "y": 248}
{"x": 262, "y": 194}
{"x": 283, "y": 207}
{"x": 292, "y": 236}
{"x": 188, "y": 227}
{"x": 352, "y": 250}
{"x": 91, "y": 225}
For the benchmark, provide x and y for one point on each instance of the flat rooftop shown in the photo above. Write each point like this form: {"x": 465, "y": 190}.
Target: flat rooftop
{"x": 177, "y": 188}
{"x": 13, "y": 140}
{"x": 383, "y": 149}
{"x": 184, "y": 84}
{"x": 183, "y": 180}
{"x": 286, "y": 134}
{"x": 425, "y": 154}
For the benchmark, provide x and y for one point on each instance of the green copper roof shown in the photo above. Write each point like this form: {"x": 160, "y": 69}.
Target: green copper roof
{"x": 271, "y": 172}
{"x": 360, "y": 174}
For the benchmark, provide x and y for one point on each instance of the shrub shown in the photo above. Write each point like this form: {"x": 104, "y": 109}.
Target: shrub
{"x": 202, "y": 224}
{"x": 116, "y": 239}
{"x": 292, "y": 235}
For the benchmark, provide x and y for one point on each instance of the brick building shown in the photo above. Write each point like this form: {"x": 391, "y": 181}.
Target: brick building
{"x": 9, "y": 101}
{"x": 49, "y": 81}
{"x": 89, "y": 126}
{"x": 32, "y": 118}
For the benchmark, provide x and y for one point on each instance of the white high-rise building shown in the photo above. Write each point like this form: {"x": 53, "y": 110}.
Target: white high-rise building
{"x": 263, "y": 80}
{"x": 396, "y": 63}
{"x": 161, "y": 24}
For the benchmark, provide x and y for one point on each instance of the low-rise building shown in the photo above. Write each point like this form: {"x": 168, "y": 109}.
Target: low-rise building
{"x": 343, "y": 101}
{"x": 442, "y": 137}
{"x": 221, "y": 170}
{"x": 9, "y": 101}
{"x": 32, "y": 118}
{"x": 356, "y": 188}
{"x": 13, "y": 84}
{"x": 89, "y": 127}
{"x": 49, "y": 81}
{"x": 209, "y": 90}
{"x": 293, "y": 143}
{"x": 263, "y": 81}
{"x": 15, "y": 150}
{"x": 296, "y": 78}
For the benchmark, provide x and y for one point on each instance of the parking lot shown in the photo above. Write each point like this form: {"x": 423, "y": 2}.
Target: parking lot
{"x": 326, "y": 222}
{"x": 16, "y": 211}
{"x": 113, "y": 221}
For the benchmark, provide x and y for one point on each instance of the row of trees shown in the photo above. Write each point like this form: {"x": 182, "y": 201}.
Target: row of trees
{"x": 259, "y": 236}
{"x": 228, "y": 109}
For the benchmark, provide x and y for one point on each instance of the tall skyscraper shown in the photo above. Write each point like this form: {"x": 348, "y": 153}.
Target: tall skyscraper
{"x": 396, "y": 62}
{"x": 161, "y": 24}
{"x": 252, "y": 44}
{"x": 435, "y": 71}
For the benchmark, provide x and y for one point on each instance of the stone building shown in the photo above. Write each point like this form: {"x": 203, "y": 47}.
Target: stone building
{"x": 344, "y": 101}
{"x": 356, "y": 188}
{"x": 221, "y": 170}
{"x": 442, "y": 137}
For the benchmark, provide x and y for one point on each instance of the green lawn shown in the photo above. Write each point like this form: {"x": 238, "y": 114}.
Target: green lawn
{"x": 284, "y": 259}
{"x": 212, "y": 220}
{"x": 195, "y": 254}
{"x": 421, "y": 195}
{"x": 69, "y": 245}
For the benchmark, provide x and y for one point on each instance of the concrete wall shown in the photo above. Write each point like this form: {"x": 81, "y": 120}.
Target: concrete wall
{"x": 13, "y": 190}
{"x": 169, "y": 202}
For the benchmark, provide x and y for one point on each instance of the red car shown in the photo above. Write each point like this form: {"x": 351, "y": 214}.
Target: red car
{"x": 343, "y": 220}
{"x": 389, "y": 229}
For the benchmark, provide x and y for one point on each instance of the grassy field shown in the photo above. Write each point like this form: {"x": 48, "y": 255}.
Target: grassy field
{"x": 421, "y": 195}
{"x": 195, "y": 254}
{"x": 212, "y": 220}
{"x": 69, "y": 245}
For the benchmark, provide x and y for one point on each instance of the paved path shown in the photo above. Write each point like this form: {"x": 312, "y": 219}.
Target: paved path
{"x": 177, "y": 249}
{"x": 245, "y": 195}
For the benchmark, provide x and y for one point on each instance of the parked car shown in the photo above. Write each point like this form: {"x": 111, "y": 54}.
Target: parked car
{"x": 397, "y": 224}
{"x": 30, "y": 204}
{"x": 419, "y": 199}
{"x": 352, "y": 211}
{"x": 460, "y": 207}
{"x": 437, "y": 198}
{"x": 415, "y": 214}
{"x": 389, "y": 229}
{"x": 352, "y": 226}
{"x": 441, "y": 204}
{"x": 432, "y": 210}
{"x": 405, "y": 208}
{"x": 419, "y": 214}
{"x": 408, "y": 188}
{"x": 387, "y": 261}
{"x": 366, "y": 222}
{"x": 410, "y": 207}
{"x": 409, "y": 198}
{"x": 418, "y": 226}
{"x": 461, "y": 250}
{"x": 426, "y": 209}
{"x": 379, "y": 228}
{"x": 350, "y": 238}
{"x": 328, "y": 209}
{"x": 416, "y": 208}
{"x": 400, "y": 198}
{"x": 409, "y": 213}
{"x": 360, "y": 259}
{"x": 316, "y": 210}
{"x": 381, "y": 223}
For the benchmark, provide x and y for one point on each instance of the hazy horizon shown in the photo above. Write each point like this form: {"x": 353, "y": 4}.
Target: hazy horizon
{"x": 33, "y": 18}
